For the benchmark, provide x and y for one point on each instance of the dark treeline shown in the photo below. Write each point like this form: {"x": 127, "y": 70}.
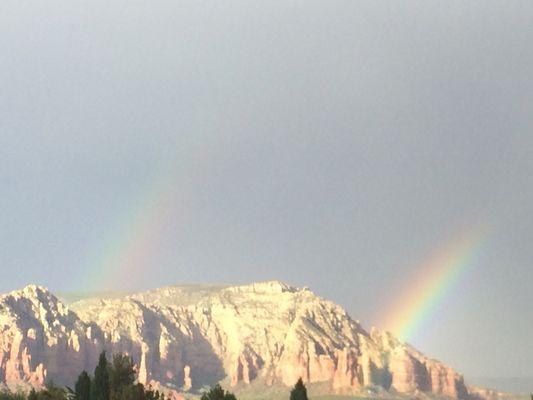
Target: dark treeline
{"x": 115, "y": 380}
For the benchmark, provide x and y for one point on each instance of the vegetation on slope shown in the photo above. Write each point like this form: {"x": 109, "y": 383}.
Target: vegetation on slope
{"x": 115, "y": 380}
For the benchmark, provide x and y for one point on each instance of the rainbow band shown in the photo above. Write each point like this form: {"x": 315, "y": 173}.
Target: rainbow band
{"x": 440, "y": 274}
{"x": 126, "y": 253}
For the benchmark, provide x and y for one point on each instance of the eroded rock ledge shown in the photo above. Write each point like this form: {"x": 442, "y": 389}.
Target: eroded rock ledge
{"x": 185, "y": 337}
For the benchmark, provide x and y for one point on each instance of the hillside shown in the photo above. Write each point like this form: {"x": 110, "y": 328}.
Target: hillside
{"x": 187, "y": 337}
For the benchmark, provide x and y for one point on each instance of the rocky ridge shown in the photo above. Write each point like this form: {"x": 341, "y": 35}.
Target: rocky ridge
{"x": 187, "y": 337}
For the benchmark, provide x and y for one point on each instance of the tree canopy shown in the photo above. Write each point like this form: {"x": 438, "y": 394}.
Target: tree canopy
{"x": 100, "y": 386}
{"x": 82, "y": 389}
{"x": 121, "y": 375}
{"x": 115, "y": 380}
{"x": 299, "y": 392}
{"x": 111, "y": 381}
{"x": 217, "y": 393}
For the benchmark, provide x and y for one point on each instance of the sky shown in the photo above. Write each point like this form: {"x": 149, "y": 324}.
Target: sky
{"x": 328, "y": 144}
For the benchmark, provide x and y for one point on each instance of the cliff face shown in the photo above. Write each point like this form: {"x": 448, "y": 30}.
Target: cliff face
{"x": 190, "y": 336}
{"x": 40, "y": 339}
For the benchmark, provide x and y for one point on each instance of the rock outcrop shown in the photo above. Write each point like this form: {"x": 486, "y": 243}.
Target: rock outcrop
{"x": 41, "y": 339}
{"x": 186, "y": 337}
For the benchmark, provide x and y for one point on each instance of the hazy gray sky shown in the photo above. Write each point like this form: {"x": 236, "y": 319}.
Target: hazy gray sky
{"x": 331, "y": 144}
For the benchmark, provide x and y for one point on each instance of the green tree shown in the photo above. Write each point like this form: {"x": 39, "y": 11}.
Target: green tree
{"x": 100, "y": 388}
{"x": 52, "y": 392}
{"x": 217, "y": 393}
{"x": 153, "y": 395}
{"x": 5, "y": 394}
{"x": 299, "y": 392}
{"x": 121, "y": 372}
{"x": 133, "y": 392}
{"x": 82, "y": 389}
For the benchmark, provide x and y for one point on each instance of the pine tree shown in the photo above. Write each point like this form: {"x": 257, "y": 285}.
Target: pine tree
{"x": 217, "y": 393}
{"x": 82, "y": 389}
{"x": 52, "y": 391}
{"x": 299, "y": 392}
{"x": 133, "y": 392}
{"x": 121, "y": 372}
{"x": 100, "y": 386}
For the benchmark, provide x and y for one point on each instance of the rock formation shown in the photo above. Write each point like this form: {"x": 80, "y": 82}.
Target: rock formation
{"x": 40, "y": 339}
{"x": 186, "y": 337}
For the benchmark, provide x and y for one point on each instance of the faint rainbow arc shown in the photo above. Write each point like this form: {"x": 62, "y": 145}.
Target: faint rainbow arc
{"x": 124, "y": 252}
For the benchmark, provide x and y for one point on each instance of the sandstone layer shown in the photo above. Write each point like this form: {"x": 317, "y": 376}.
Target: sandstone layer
{"x": 186, "y": 337}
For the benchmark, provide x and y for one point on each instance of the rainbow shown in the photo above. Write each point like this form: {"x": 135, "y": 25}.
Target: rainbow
{"x": 437, "y": 277}
{"x": 124, "y": 254}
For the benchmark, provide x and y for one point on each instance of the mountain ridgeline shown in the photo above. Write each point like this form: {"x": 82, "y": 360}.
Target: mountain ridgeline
{"x": 184, "y": 338}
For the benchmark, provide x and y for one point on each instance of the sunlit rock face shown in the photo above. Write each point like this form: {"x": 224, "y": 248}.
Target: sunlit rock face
{"x": 42, "y": 340}
{"x": 186, "y": 337}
